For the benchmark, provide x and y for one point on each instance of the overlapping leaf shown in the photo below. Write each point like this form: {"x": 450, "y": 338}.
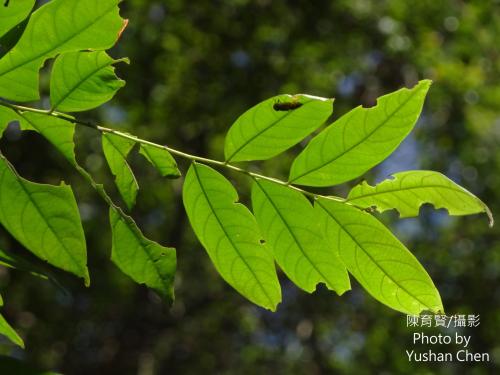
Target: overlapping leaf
{"x": 407, "y": 191}
{"x": 161, "y": 160}
{"x": 293, "y": 232}
{"x": 116, "y": 150}
{"x": 145, "y": 261}
{"x": 59, "y": 26}
{"x": 229, "y": 233}
{"x": 275, "y": 125}
{"x": 14, "y": 13}
{"x": 156, "y": 275}
{"x": 50, "y": 212}
{"x": 83, "y": 80}
{"x": 359, "y": 140}
{"x": 380, "y": 263}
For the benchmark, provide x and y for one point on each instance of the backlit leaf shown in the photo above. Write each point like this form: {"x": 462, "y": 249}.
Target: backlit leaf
{"x": 6, "y": 116}
{"x": 263, "y": 132}
{"x": 57, "y": 131}
{"x": 380, "y": 263}
{"x": 359, "y": 140}
{"x": 83, "y": 80}
{"x": 290, "y": 227}
{"x": 14, "y": 13}
{"x": 407, "y": 191}
{"x": 116, "y": 150}
{"x": 145, "y": 261}
{"x": 229, "y": 233}
{"x": 128, "y": 242}
{"x": 56, "y": 27}
{"x": 9, "y": 332}
{"x": 45, "y": 219}
{"x": 161, "y": 160}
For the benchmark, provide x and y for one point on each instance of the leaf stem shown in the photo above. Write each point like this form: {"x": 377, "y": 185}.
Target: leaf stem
{"x": 185, "y": 155}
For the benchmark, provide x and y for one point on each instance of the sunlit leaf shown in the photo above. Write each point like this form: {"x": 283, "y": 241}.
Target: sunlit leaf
{"x": 45, "y": 219}
{"x": 145, "y": 261}
{"x": 83, "y": 80}
{"x": 128, "y": 242}
{"x": 116, "y": 150}
{"x": 265, "y": 130}
{"x": 57, "y": 131}
{"x": 290, "y": 227}
{"x": 229, "y": 233}
{"x": 14, "y": 13}
{"x": 378, "y": 261}
{"x": 56, "y": 27}
{"x": 359, "y": 140}
{"x": 407, "y": 191}
{"x": 161, "y": 160}
{"x": 6, "y": 116}
{"x": 9, "y": 332}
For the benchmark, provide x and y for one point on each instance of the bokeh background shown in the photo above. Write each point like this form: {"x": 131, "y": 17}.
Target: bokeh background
{"x": 195, "y": 66}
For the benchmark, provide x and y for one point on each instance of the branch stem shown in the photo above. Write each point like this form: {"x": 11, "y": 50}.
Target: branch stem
{"x": 19, "y": 109}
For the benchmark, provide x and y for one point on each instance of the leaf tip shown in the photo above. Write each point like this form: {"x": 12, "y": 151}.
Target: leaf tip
{"x": 124, "y": 26}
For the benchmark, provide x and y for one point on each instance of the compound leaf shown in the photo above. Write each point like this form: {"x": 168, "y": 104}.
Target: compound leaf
{"x": 161, "y": 160}
{"x": 360, "y": 139}
{"x": 14, "y": 13}
{"x": 56, "y": 27}
{"x": 294, "y": 234}
{"x": 265, "y": 130}
{"x": 407, "y": 191}
{"x": 9, "y": 332}
{"x": 116, "y": 150}
{"x": 83, "y": 80}
{"x": 145, "y": 261}
{"x": 45, "y": 219}
{"x": 380, "y": 263}
{"x": 229, "y": 233}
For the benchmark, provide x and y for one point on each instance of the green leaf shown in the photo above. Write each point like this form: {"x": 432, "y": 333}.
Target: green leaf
{"x": 83, "y": 80}
{"x": 145, "y": 261}
{"x": 294, "y": 234}
{"x": 263, "y": 132}
{"x": 57, "y": 131}
{"x": 45, "y": 219}
{"x": 9, "y": 332}
{"x": 229, "y": 233}
{"x": 7, "y": 115}
{"x": 161, "y": 160}
{"x": 128, "y": 242}
{"x": 116, "y": 150}
{"x": 407, "y": 191}
{"x": 14, "y": 13}
{"x": 56, "y": 27}
{"x": 380, "y": 263}
{"x": 360, "y": 139}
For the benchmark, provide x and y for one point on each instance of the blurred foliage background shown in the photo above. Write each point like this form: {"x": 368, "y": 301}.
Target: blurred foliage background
{"x": 195, "y": 66}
